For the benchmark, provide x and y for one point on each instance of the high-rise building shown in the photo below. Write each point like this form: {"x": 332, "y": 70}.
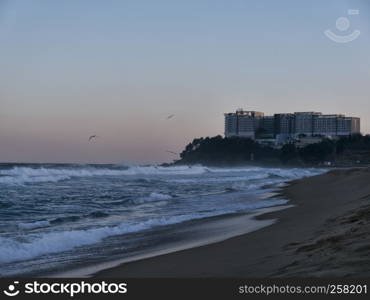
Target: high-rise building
{"x": 285, "y": 127}
{"x": 266, "y": 127}
{"x": 242, "y": 123}
{"x": 304, "y": 122}
{"x": 335, "y": 125}
{"x": 348, "y": 125}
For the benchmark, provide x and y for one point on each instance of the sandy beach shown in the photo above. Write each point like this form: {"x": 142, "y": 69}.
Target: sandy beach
{"x": 326, "y": 233}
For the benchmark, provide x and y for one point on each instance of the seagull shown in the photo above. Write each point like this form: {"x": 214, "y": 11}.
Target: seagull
{"x": 172, "y": 152}
{"x": 170, "y": 117}
{"x": 92, "y": 137}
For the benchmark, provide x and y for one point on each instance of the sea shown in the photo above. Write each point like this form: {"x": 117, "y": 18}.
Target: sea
{"x": 60, "y": 219}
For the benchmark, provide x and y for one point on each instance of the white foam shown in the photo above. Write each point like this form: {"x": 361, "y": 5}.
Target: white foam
{"x": 34, "y": 245}
{"x": 159, "y": 196}
{"x": 21, "y": 175}
{"x": 33, "y": 225}
{"x": 153, "y": 197}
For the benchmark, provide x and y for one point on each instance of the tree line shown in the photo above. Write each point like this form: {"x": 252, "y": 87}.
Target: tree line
{"x": 236, "y": 150}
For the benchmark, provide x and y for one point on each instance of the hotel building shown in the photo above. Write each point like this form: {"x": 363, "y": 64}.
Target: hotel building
{"x": 285, "y": 127}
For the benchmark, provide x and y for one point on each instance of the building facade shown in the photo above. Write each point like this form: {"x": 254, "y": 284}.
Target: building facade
{"x": 242, "y": 123}
{"x": 286, "y": 127}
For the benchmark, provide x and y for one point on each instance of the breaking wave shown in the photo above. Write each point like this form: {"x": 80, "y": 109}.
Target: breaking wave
{"x": 33, "y": 245}
{"x": 33, "y": 225}
{"x": 22, "y": 175}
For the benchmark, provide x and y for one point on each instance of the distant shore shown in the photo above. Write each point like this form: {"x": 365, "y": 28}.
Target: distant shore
{"x": 326, "y": 233}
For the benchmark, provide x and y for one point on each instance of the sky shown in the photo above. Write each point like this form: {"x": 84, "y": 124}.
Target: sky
{"x": 70, "y": 69}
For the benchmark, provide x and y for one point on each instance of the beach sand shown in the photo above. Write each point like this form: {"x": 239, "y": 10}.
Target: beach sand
{"x": 326, "y": 233}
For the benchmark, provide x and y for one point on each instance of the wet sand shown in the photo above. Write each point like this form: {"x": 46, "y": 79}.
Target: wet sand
{"x": 326, "y": 233}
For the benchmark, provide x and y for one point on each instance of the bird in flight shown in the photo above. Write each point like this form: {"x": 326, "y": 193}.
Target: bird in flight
{"x": 92, "y": 137}
{"x": 170, "y": 117}
{"x": 172, "y": 152}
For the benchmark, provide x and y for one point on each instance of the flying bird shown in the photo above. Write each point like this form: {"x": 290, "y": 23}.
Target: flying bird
{"x": 172, "y": 152}
{"x": 92, "y": 137}
{"x": 170, "y": 117}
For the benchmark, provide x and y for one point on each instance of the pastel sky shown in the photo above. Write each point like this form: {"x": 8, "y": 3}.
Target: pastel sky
{"x": 117, "y": 69}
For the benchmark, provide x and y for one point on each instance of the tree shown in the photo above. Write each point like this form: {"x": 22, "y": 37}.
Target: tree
{"x": 318, "y": 152}
{"x": 288, "y": 153}
{"x": 219, "y": 150}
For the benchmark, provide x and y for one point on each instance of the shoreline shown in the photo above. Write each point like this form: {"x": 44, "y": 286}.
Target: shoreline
{"x": 293, "y": 246}
{"x": 219, "y": 228}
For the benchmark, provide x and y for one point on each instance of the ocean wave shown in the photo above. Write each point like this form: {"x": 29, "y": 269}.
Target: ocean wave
{"x": 65, "y": 219}
{"x": 4, "y": 204}
{"x": 158, "y": 196}
{"x": 33, "y": 225}
{"x": 22, "y": 175}
{"x": 97, "y": 214}
{"x": 35, "y": 245}
{"x": 153, "y": 197}
{"x": 254, "y": 176}
{"x": 68, "y": 219}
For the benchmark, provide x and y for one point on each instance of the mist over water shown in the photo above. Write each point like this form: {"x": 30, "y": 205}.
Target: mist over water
{"x": 55, "y": 216}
